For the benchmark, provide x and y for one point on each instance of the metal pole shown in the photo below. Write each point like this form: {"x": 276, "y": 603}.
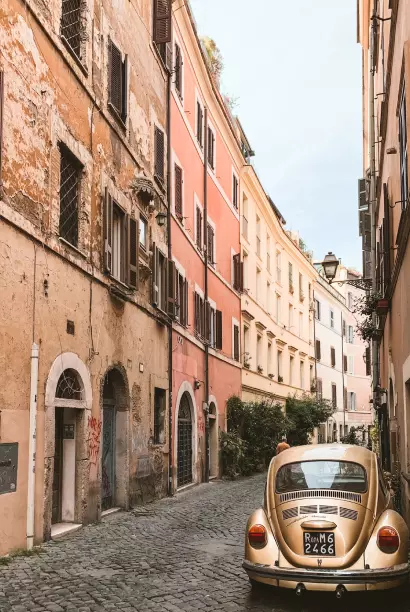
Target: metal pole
{"x": 170, "y": 352}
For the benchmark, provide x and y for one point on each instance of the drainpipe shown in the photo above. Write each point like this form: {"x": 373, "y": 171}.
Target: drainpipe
{"x": 32, "y": 446}
{"x": 343, "y": 375}
{"x": 170, "y": 353}
{"x": 314, "y": 348}
{"x": 206, "y": 293}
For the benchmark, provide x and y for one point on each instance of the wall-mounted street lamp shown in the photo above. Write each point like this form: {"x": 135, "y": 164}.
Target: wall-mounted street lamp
{"x": 161, "y": 219}
{"x": 330, "y": 265}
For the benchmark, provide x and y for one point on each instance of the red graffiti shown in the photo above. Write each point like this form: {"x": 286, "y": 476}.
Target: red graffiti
{"x": 94, "y": 438}
{"x": 201, "y": 426}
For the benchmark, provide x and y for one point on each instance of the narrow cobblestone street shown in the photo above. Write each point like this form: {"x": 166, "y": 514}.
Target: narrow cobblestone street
{"x": 177, "y": 554}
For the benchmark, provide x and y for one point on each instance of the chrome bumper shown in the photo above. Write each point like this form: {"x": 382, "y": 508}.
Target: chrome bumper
{"x": 330, "y": 576}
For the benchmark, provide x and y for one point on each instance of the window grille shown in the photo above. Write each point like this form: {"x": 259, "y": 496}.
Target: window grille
{"x": 69, "y": 386}
{"x": 70, "y": 170}
{"x": 72, "y": 24}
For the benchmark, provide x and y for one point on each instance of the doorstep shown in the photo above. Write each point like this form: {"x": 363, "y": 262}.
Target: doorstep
{"x": 110, "y": 511}
{"x": 59, "y": 530}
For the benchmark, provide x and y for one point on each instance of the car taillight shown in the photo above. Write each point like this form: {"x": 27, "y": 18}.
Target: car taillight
{"x": 257, "y": 536}
{"x": 388, "y": 540}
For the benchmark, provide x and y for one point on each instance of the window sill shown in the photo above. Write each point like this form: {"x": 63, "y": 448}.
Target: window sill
{"x": 75, "y": 57}
{"x": 72, "y": 247}
{"x": 117, "y": 117}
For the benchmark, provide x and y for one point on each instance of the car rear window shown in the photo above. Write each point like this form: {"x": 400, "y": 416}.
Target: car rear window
{"x": 334, "y": 475}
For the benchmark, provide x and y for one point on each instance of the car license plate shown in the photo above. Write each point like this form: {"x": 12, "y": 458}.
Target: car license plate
{"x": 319, "y": 543}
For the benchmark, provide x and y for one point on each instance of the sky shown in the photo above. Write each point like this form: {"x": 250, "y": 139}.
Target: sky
{"x": 295, "y": 70}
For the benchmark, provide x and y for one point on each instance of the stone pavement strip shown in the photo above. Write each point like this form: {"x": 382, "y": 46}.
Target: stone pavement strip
{"x": 179, "y": 554}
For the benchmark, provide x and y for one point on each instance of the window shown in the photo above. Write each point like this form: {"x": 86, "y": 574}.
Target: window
{"x": 301, "y": 325}
{"x": 268, "y": 253}
{"x": 350, "y": 334}
{"x": 351, "y": 400}
{"x": 334, "y": 395}
{"x": 317, "y": 350}
{"x": 236, "y": 351}
{"x": 212, "y": 326}
{"x": 319, "y": 388}
{"x": 278, "y": 267}
{"x": 245, "y": 216}
{"x": 238, "y": 271}
{"x": 333, "y": 357}
{"x": 321, "y": 474}
{"x": 291, "y": 370}
{"x": 159, "y": 153}
{"x": 70, "y": 182}
{"x": 211, "y": 148}
{"x": 269, "y": 369}
{"x": 302, "y": 374}
{"x": 200, "y": 124}
{"x": 268, "y": 300}
{"x": 258, "y": 236}
{"x": 332, "y": 318}
{"x": 301, "y": 293}
{"x": 290, "y": 272}
{"x": 72, "y": 29}
{"x": 122, "y": 241}
{"x": 258, "y": 285}
{"x": 159, "y": 416}
{"x": 344, "y": 328}
{"x": 350, "y": 300}
{"x": 118, "y": 76}
{"x": 162, "y": 21}
{"x": 351, "y": 365}
{"x": 345, "y": 363}
{"x": 208, "y": 322}
{"x": 403, "y": 150}
{"x": 245, "y": 271}
{"x": 181, "y": 299}
{"x": 278, "y": 308}
{"x": 178, "y": 192}
{"x": 198, "y": 227}
{"x": 235, "y": 191}
{"x": 344, "y": 398}
{"x": 290, "y": 316}
{"x": 368, "y": 361}
{"x": 280, "y": 376}
{"x": 310, "y": 291}
{"x": 211, "y": 245}
{"x": 199, "y": 323}
{"x": 143, "y": 233}
{"x": 159, "y": 279}
{"x": 246, "y": 354}
{"x": 178, "y": 70}
{"x": 317, "y": 310}
{"x": 259, "y": 352}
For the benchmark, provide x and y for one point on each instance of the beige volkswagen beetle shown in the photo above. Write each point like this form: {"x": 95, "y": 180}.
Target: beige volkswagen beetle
{"x": 327, "y": 524}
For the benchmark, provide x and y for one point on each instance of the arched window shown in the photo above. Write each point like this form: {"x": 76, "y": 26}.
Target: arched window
{"x": 69, "y": 386}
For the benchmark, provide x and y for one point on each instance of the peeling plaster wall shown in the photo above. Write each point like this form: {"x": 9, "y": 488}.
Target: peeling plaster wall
{"x": 49, "y": 99}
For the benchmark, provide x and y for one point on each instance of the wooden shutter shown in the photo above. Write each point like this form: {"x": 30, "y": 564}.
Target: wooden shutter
{"x": 386, "y": 232}
{"x": 210, "y": 245}
{"x": 318, "y": 355}
{"x": 345, "y": 399}
{"x": 124, "y": 89}
{"x": 116, "y": 77}
{"x": 334, "y": 396}
{"x": 162, "y": 21}
{"x": 171, "y": 288}
{"x": 184, "y": 303}
{"x": 236, "y": 342}
{"x": 345, "y": 363}
{"x": 218, "y": 334}
{"x": 159, "y": 147}
{"x": 178, "y": 191}
{"x": 1, "y": 127}
{"x": 368, "y": 361}
{"x": 108, "y": 220}
{"x": 319, "y": 388}
{"x": 333, "y": 357}
{"x": 155, "y": 280}
{"x": 211, "y": 148}
{"x": 208, "y": 314}
{"x": 200, "y": 122}
{"x": 178, "y": 70}
{"x": 199, "y": 228}
{"x": 197, "y": 314}
{"x": 133, "y": 252}
{"x": 236, "y": 271}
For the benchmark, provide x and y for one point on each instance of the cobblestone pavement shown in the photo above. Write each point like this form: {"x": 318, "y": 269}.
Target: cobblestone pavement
{"x": 180, "y": 554}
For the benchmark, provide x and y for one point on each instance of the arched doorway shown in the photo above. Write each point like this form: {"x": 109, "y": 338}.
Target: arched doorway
{"x": 114, "y": 450}
{"x": 184, "y": 453}
{"x": 68, "y": 399}
{"x": 213, "y": 441}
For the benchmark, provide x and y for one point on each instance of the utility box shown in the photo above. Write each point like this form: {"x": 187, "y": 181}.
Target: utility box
{"x": 8, "y": 467}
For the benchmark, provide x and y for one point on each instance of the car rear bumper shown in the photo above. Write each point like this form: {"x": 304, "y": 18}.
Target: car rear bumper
{"x": 267, "y": 573}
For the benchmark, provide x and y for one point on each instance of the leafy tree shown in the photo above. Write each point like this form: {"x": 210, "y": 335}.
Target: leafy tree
{"x": 354, "y": 436}
{"x": 304, "y": 415}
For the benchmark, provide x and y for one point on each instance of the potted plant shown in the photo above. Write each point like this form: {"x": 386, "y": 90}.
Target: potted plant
{"x": 280, "y": 378}
{"x": 260, "y": 369}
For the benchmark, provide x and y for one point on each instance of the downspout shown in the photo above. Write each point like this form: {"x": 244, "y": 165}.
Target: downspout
{"x": 206, "y": 407}
{"x": 170, "y": 353}
{"x": 32, "y": 446}
{"x": 314, "y": 349}
{"x": 343, "y": 375}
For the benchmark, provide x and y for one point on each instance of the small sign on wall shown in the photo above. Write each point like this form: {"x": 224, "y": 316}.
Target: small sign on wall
{"x": 8, "y": 467}
{"x": 68, "y": 433}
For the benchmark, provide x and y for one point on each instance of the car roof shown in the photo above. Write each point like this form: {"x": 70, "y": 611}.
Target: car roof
{"x": 320, "y": 452}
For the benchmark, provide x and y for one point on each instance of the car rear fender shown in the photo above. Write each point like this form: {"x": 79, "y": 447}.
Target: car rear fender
{"x": 269, "y": 554}
{"x": 374, "y": 557}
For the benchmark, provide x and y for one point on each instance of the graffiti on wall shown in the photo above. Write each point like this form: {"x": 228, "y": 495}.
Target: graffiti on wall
{"x": 94, "y": 438}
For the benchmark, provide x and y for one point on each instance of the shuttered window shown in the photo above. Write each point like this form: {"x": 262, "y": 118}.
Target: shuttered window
{"x": 160, "y": 277}
{"x": 219, "y": 330}
{"x": 199, "y": 320}
{"x": 404, "y": 187}
{"x": 236, "y": 352}
{"x": 70, "y": 182}
{"x": 235, "y": 191}
{"x": 178, "y": 191}
{"x": 181, "y": 300}
{"x": 317, "y": 346}
{"x": 238, "y": 272}
{"x": 211, "y": 148}
{"x": 118, "y": 87}
{"x": 199, "y": 124}
{"x": 178, "y": 70}
{"x": 72, "y": 24}
{"x": 159, "y": 153}
{"x": 162, "y": 21}
{"x": 198, "y": 229}
{"x": 344, "y": 363}
{"x": 319, "y": 388}
{"x": 334, "y": 395}
{"x": 368, "y": 361}
{"x": 211, "y": 245}
{"x": 332, "y": 357}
